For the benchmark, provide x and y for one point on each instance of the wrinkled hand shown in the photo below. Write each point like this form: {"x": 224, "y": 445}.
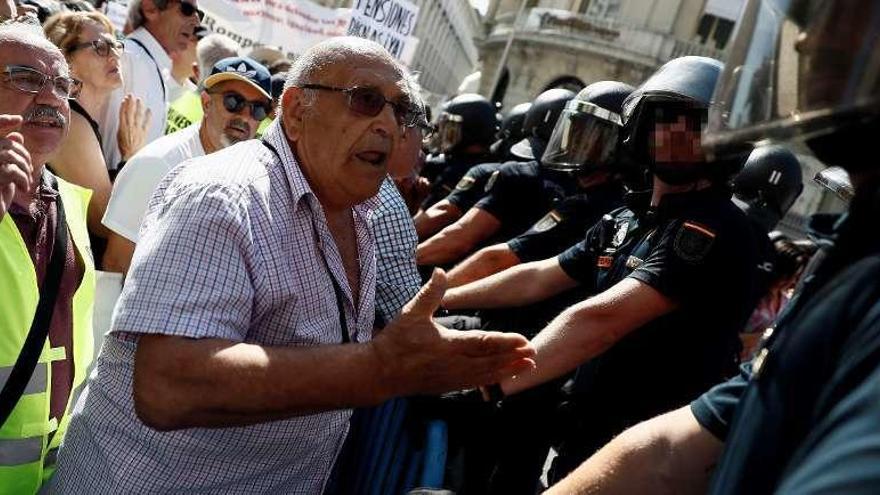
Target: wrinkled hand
{"x": 418, "y": 356}
{"x": 16, "y": 170}
{"x": 134, "y": 121}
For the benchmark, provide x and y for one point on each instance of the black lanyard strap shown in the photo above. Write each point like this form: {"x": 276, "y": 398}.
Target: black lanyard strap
{"x": 340, "y": 306}
{"x": 27, "y": 359}
{"x": 156, "y": 64}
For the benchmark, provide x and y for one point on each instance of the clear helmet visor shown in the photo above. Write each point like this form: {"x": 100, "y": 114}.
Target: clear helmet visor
{"x": 449, "y": 131}
{"x": 585, "y": 138}
{"x": 796, "y": 68}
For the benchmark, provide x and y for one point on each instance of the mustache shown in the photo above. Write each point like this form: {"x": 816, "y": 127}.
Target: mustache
{"x": 239, "y": 124}
{"x": 45, "y": 113}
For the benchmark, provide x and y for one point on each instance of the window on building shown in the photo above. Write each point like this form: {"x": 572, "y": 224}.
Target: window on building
{"x": 714, "y": 30}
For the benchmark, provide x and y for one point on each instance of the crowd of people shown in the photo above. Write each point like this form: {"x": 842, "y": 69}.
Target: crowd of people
{"x": 212, "y": 262}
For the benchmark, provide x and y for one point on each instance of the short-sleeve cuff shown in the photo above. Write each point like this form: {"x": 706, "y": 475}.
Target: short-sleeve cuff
{"x": 709, "y": 417}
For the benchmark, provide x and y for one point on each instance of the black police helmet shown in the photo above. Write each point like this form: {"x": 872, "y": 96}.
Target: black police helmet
{"x": 768, "y": 184}
{"x": 806, "y": 70}
{"x": 681, "y": 89}
{"x": 466, "y": 120}
{"x": 511, "y": 129}
{"x": 587, "y": 133}
{"x": 539, "y": 122}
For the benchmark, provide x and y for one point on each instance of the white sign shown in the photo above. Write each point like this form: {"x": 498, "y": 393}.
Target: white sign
{"x": 117, "y": 12}
{"x": 294, "y": 25}
{"x": 391, "y": 23}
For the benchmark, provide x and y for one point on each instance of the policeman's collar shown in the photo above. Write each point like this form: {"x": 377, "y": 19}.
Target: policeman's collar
{"x": 673, "y": 204}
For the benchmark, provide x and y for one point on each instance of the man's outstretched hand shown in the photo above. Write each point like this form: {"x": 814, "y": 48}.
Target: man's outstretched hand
{"x": 418, "y": 356}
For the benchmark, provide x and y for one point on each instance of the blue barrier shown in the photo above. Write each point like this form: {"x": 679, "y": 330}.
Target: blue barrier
{"x": 390, "y": 451}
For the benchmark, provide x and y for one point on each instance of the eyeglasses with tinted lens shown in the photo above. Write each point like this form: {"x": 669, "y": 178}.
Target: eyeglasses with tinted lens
{"x": 189, "y": 10}
{"x": 30, "y": 80}
{"x": 235, "y": 103}
{"x": 101, "y": 46}
{"x": 369, "y": 102}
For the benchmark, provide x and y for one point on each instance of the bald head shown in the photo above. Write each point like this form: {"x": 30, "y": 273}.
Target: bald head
{"x": 20, "y": 33}
{"x": 336, "y": 52}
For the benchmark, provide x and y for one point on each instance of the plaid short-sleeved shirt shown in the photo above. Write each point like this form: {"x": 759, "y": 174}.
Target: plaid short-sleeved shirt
{"x": 235, "y": 246}
{"x": 397, "y": 279}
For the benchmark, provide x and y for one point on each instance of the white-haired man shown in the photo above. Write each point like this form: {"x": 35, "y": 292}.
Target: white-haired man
{"x": 223, "y": 372}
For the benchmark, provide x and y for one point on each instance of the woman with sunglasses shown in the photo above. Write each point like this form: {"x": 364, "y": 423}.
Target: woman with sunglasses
{"x": 92, "y": 52}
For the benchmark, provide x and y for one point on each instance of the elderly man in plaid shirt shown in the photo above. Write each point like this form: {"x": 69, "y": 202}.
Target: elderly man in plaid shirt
{"x": 243, "y": 336}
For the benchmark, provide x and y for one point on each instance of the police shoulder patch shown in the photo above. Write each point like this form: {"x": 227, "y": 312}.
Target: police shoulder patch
{"x": 546, "y": 223}
{"x": 693, "y": 241}
{"x": 465, "y": 183}
{"x": 491, "y": 181}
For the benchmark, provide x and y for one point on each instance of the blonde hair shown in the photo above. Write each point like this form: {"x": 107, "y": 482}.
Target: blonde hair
{"x": 64, "y": 29}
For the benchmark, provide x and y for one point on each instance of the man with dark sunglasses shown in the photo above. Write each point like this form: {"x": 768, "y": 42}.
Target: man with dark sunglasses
{"x": 161, "y": 28}
{"x": 235, "y": 99}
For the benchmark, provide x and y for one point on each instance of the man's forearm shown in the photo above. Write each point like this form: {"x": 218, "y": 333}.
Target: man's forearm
{"x": 435, "y": 218}
{"x": 448, "y": 245}
{"x": 181, "y": 383}
{"x": 485, "y": 262}
{"x": 517, "y": 286}
{"x": 669, "y": 454}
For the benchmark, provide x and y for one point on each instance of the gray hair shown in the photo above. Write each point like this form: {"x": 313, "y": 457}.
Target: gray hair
{"x": 136, "y": 17}
{"x": 27, "y": 33}
{"x": 213, "y": 48}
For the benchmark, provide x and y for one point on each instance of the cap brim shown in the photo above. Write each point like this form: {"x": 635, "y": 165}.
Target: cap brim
{"x": 215, "y": 79}
{"x": 530, "y": 148}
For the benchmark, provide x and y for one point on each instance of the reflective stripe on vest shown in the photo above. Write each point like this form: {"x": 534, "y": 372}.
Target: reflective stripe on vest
{"x": 26, "y": 452}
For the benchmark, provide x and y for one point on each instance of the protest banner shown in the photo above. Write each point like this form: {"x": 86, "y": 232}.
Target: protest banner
{"x": 390, "y": 23}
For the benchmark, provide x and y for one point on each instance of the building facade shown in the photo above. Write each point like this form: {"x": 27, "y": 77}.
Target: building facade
{"x": 447, "y": 52}
{"x": 571, "y": 43}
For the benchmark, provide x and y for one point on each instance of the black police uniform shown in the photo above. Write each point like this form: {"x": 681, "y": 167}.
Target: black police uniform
{"x": 566, "y": 223}
{"x": 802, "y": 417}
{"x": 697, "y": 249}
{"x": 472, "y": 186}
{"x": 520, "y": 193}
{"x": 445, "y": 173}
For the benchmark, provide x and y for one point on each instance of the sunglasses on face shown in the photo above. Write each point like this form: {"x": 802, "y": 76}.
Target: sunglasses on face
{"x": 29, "y": 80}
{"x": 235, "y": 103}
{"x": 101, "y": 46}
{"x": 369, "y": 102}
{"x": 189, "y": 10}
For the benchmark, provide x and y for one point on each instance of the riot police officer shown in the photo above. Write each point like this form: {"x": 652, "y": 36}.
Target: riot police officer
{"x": 768, "y": 185}
{"x": 511, "y": 132}
{"x": 466, "y": 129}
{"x": 673, "y": 289}
{"x": 516, "y": 194}
{"x": 802, "y": 417}
{"x": 584, "y": 142}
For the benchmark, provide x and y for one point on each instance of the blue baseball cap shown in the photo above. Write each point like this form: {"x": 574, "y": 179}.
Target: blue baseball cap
{"x": 242, "y": 69}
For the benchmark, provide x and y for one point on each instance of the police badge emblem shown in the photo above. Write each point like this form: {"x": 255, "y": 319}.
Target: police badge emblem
{"x": 549, "y": 221}
{"x": 622, "y": 228}
{"x": 465, "y": 183}
{"x": 693, "y": 242}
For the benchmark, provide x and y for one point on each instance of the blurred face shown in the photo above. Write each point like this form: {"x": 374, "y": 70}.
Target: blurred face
{"x": 171, "y": 27}
{"x": 344, "y": 154}
{"x": 184, "y": 61}
{"x": 224, "y": 126}
{"x": 676, "y": 141}
{"x": 88, "y": 62}
{"x": 45, "y": 113}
